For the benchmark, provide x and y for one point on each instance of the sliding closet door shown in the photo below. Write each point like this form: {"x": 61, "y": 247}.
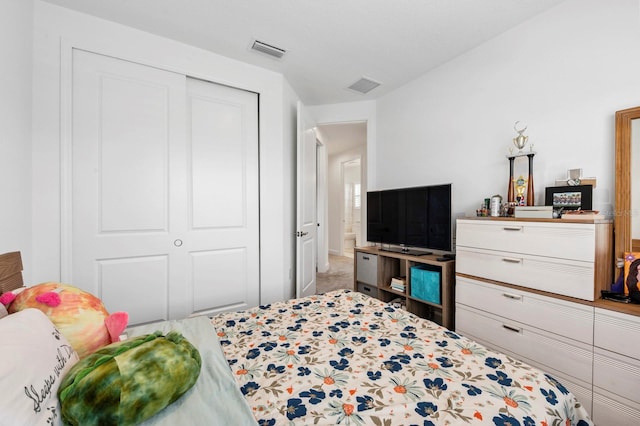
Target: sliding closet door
{"x": 223, "y": 216}
{"x": 145, "y": 195}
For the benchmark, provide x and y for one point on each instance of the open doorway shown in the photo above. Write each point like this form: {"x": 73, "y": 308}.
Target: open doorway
{"x": 345, "y": 146}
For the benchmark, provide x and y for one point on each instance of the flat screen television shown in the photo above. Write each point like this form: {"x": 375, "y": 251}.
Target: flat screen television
{"x": 414, "y": 220}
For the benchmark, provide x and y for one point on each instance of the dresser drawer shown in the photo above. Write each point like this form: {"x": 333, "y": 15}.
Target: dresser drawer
{"x": 610, "y": 410}
{"x": 575, "y": 241}
{"x": 544, "y": 349}
{"x": 617, "y": 374}
{"x": 560, "y": 276}
{"x": 557, "y": 316}
{"x": 617, "y": 332}
{"x": 367, "y": 268}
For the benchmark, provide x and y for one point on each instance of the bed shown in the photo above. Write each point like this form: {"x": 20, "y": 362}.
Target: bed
{"x": 346, "y": 358}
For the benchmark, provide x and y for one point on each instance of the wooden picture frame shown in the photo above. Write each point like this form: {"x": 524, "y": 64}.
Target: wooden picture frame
{"x": 578, "y": 197}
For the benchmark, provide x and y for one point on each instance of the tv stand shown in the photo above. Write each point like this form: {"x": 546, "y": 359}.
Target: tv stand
{"x": 406, "y": 250}
{"x": 374, "y": 268}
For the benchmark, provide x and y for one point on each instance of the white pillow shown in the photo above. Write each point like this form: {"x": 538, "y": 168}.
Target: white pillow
{"x": 33, "y": 360}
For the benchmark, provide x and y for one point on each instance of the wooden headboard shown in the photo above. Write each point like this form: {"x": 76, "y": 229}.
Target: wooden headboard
{"x": 10, "y": 271}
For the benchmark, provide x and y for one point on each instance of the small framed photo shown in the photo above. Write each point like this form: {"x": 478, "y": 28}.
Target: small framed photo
{"x": 578, "y": 197}
{"x": 631, "y": 272}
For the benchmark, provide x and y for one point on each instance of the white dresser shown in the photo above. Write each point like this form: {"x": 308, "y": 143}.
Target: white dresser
{"x": 527, "y": 288}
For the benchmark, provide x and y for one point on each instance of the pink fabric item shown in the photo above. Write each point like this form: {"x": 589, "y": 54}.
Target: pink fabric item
{"x": 116, "y": 323}
{"x": 7, "y": 298}
{"x": 51, "y": 299}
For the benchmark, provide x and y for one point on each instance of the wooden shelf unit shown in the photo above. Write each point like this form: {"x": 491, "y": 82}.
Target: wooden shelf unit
{"x": 374, "y": 268}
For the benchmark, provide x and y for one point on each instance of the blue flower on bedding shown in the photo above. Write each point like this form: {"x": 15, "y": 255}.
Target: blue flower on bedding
{"x": 384, "y": 342}
{"x": 442, "y": 343}
{"x": 500, "y": 377}
{"x": 253, "y": 353}
{"x": 266, "y": 333}
{"x": 451, "y": 334}
{"x": 378, "y": 313}
{"x": 249, "y": 388}
{"x": 265, "y": 306}
{"x": 301, "y": 321}
{"x": 361, "y": 340}
{"x": 356, "y": 311}
{"x": 550, "y": 396}
{"x": 303, "y": 371}
{"x": 436, "y": 384}
{"x": 364, "y": 403}
{"x": 374, "y": 326}
{"x": 336, "y": 393}
{"x": 409, "y": 328}
{"x": 247, "y": 332}
{"x": 333, "y": 315}
{"x": 425, "y": 409}
{"x": 392, "y": 366}
{"x": 331, "y": 304}
{"x": 317, "y": 333}
{"x": 492, "y": 362}
{"x": 445, "y": 362}
{"x": 230, "y": 323}
{"x": 339, "y": 365}
{"x": 346, "y": 352}
{"x": 304, "y": 349}
{"x": 225, "y": 342}
{"x": 389, "y": 308}
{"x": 268, "y": 346}
{"x": 472, "y": 390}
{"x": 408, "y": 335}
{"x": 528, "y": 421}
{"x": 405, "y": 359}
{"x": 315, "y": 396}
{"x": 282, "y": 310}
{"x": 270, "y": 422}
{"x": 295, "y": 408}
{"x": 272, "y": 368}
{"x": 294, "y": 327}
{"x": 557, "y": 384}
{"x": 505, "y": 420}
{"x": 231, "y": 361}
{"x": 373, "y": 376}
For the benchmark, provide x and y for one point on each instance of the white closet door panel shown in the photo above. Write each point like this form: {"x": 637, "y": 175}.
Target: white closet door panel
{"x": 133, "y": 154}
{"x": 127, "y": 142}
{"x": 222, "y": 167}
{"x": 124, "y": 283}
{"x": 219, "y": 280}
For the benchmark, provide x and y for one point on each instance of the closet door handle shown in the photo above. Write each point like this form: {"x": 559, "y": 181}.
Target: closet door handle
{"x": 512, "y": 296}
{"x": 511, "y": 260}
{"x": 511, "y": 328}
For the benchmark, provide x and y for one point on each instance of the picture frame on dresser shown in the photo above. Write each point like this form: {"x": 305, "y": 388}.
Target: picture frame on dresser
{"x": 577, "y": 197}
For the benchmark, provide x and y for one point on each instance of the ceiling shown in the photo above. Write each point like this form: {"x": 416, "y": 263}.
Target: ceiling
{"x": 330, "y": 44}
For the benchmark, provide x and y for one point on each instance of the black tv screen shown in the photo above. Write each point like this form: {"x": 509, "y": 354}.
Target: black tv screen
{"x": 417, "y": 217}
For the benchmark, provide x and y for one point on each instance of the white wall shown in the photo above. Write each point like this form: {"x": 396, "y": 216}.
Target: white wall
{"x": 563, "y": 74}
{"x": 57, "y": 31}
{"x": 16, "y": 40}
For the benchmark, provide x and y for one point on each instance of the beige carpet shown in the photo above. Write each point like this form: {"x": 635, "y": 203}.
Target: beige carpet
{"x": 339, "y": 275}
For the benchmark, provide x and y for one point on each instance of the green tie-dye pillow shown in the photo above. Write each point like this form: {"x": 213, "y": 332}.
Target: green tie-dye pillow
{"x": 127, "y": 382}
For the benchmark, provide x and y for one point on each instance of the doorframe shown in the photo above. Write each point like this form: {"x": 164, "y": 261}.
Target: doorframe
{"x": 342, "y": 201}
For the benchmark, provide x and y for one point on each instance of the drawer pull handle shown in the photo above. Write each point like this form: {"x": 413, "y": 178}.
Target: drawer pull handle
{"x": 365, "y": 257}
{"x": 510, "y": 328}
{"x": 512, "y": 296}
{"x": 511, "y": 260}
{"x": 512, "y": 228}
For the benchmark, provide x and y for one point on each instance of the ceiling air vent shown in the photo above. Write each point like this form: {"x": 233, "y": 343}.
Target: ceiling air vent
{"x": 268, "y": 49}
{"x": 364, "y": 85}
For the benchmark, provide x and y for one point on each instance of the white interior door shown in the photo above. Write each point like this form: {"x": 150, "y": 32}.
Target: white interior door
{"x": 164, "y": 191}
{"x": 306, "y": 221}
